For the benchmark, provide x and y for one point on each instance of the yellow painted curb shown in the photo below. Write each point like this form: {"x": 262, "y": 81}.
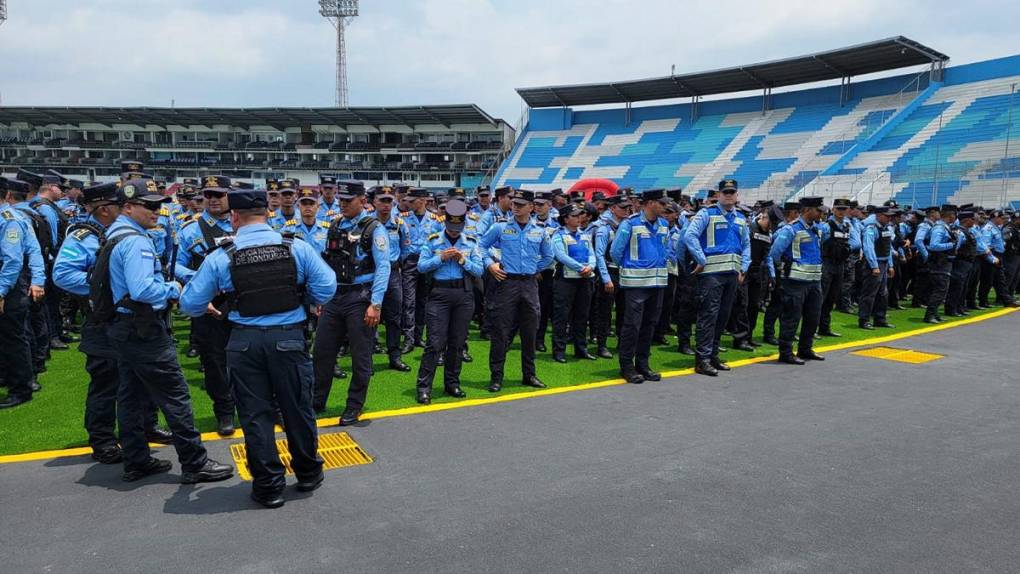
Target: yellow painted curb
{"x": 333, "y": 421}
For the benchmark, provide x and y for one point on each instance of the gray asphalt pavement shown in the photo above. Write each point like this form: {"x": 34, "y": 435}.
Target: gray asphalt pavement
{"x": 854, "y": 465}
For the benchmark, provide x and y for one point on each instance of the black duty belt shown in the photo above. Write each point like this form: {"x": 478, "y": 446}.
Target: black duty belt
{"x": 395, "y": 266}
{"x": 450, "y": 283}
{"x": 519, "y": 277}
{"x": 288, "y": 327}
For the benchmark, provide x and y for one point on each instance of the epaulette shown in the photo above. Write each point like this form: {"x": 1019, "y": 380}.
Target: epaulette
{"x": 400, "y": 220}
{"x": 164, "y": 212}
{"x": 440, "y": 218}
{"x": 8, "y": 215}
{"x": 271, "y": 214}
{"x": 290, "y": 222}
{"x": 324, "y": 224}
{"x": 405, "y": 214}
{"x": 539, "y": 223}
{"x": 473, "y": 216}
{"x": 81, "y": 233}
{"x": 433, "y": 236}
{"x": 188, "y": 222}
{"x": 182, "y": 216}
{"x": 469, "y": 237}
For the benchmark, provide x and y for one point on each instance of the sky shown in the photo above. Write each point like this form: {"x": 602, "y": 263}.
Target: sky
{"x": 281, "y": 53}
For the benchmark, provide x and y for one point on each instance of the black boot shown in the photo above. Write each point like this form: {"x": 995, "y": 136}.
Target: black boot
{"x": 706, "y": 368}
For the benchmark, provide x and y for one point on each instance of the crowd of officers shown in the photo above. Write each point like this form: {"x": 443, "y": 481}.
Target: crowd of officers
{"x": 268, "y": 275}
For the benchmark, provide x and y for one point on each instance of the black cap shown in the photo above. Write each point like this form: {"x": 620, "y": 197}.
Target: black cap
{"x": 505, "y": 190}
{"x": 456, "y": 192}
{"x": 568, "y": 210}
{"x": 216, "y": 183}
{"x": 598, "y": 196}
{"x": 308, "y": 193}
{"x": 289, "y": 185}
{"x": 247, "y": 199}
{"x": 327, "y": 181}
{"x": 811, "y": 202}
{"x": 765, "y": 204}
{"x": 131, "y": 166}
{"x": 791, "y": 206}
{"x": 881, "y": 210}
{"x": 727, "y": 185}
{"x": 524, "y": 196}
{"x": 483, "y": 190}
{"x": 142, "y": 190}
{"x": 615, "y": 200}
{"x": 100, "y": 192}
{"x": 652, "y": 194}
{"x": 676, "y": 194}
{"x": 948, "y": 207}
{"x": 349, "y": 189}
{"x": 711, "y": 193}
{"x": 187, "y": 190}
{"x": 381, "y": 191}
{"x": 456, "y": 214}
{"x": 31, "y": 178}
{"x": 418, "y": 192}
{"x": 14, "y": 185}
{"x": 238, "y": 184}
{"x": 193, "y": 181}
{"x": 841, "y": 202}
{"x": 272, "y": 184}
{"x": 542, "y": 197}
{"x": 965, "y": 214}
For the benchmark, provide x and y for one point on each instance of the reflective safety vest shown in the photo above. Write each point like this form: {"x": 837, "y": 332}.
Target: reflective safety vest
{"x": 579, "y": 248}
{"x": 644, "y": 259}
{"x": 804, "y": 253}
{"x": 721, "y": 241}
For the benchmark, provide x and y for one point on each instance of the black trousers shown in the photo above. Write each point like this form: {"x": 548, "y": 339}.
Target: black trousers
{"x": 755, "y": 290}
{"x": 16, "y": 357}
{"x": 408, "y": 295}
{"x": 668, "y": 307}
{"x": 545, "y": 302}
{"x": 571, "y": 305}
{"x": 392, "y": 313}
{"x": 514, "y": 304}
{"x": 832, "y": 291}
{"x": 211, "y": 336}
{"x": 686, "y": 307}
{"x": 939, "y": 276}
{"x": 774, "y": 308}
{"x": 802, "y": 304}
{"x": 738, "y": 324}
{"x": 873, "y": 294}
{"x": 148, "y": 367}
{"x": 604, "y": 307}
{"x": 893, "y": 289}
{"x": 1011, "y": 268}
{"x": 343, "y": 320}
{"x": 957, "y": 286}
{"x": 849, "y": 275}
{"x": 715, "y": 294}
{"x": 38, "y": 333}
{"x": 448, "y": 313}
{"x": 970, "y": 292}
{"x": 920, "y": 284}
{"x": 270, "y": 370}
{"x": 993, "y": 276}
{"x": 643, "y": 306}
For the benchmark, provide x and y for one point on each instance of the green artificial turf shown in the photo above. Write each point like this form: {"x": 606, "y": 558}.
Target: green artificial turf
{"x": 53, "y": 419}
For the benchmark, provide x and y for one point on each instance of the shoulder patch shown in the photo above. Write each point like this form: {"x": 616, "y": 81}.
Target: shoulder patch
{"x": 323, "y": 224}
{"x": 474, "y": 216}
{"x": 290, "y": 222}
{"x": 187, "y": 223}
{"x": 12, "y": 235}
{"x": 9, "y": 216}
{"x": 81, "y": 233}
{"x": 433, "y": 236}
{"x": 163, "y": 211}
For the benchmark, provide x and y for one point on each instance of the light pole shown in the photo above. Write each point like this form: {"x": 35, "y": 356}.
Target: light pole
{"x": 340, "y": 13}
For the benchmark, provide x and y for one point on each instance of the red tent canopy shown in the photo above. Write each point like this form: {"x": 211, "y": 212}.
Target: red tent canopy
{"x": 592, "y": 184}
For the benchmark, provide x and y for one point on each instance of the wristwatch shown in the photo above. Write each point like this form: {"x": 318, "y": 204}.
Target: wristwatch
{"x": 377, "y": 306}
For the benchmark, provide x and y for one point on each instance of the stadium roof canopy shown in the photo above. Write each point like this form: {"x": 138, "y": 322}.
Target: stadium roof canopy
{"x": 878, "y": 56}
{"x": 410, "y": 116}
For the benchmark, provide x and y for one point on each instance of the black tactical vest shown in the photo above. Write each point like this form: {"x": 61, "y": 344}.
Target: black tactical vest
{"x": 41, "y": 229}
{"x": 1011, "y": 238}
{"x": 342, "y": 248}
{"x": 883, "y": 243}
{"x": 967, "y": 251}
{"x": 103, "y": 309}
{"x": 837, "y": 247}
{"x": 761, "y": 243}
{"x": 62, "y": 219}
{"x": 265, "y": 279}
{"x": 212, "y": 236}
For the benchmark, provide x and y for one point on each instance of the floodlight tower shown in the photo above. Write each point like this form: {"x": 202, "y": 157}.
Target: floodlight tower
{"x": 340, "y": 13}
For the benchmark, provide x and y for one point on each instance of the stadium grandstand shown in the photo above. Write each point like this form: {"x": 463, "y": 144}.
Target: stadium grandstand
{"x": 925, "y": 137}
{"x": 430, "y": 146}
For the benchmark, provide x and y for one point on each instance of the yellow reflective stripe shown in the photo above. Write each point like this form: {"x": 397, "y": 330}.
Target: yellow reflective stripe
{"x": 712, "y": 221}
{"x": 655, "y": 277}
{"x": 800, "y": 237}
{"x": 635, "y": 253}
{"x": 806, "y": 271}
{"x": 723, "y": 262}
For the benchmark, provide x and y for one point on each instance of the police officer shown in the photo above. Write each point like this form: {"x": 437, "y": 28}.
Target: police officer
{"x": 40, "y": 253}
{"x": 718, "y": 241}
{"x": 966, "y": 254}
{"x": 836, "y": 249}
{"x": 421, "y": 223}
{"x": 266, "y": 279}
{"x": 757, "y": 278}
{"x": 876, "y": 243}
{"x": 308, "y": 227}
{"x": 607, "y": 294}
{"x": 288, "y": 189}
{"x": 921, "y": 245}
{"x": 500, "y": 211}
{"x": 801, "y": 242}
{"x": 543, "y": 207}
{"x": 524, "y": 251}
{"x": 575, "y": 266}
{"x": 211, "y": 331}
{"x": 15, "y": 276}
{"x": 672, "y": 215}
{"x": 452, "y": 257}
{"x": 329, "y": 206}
{"x": 640, "y": 248}
{"x": 992, "y": 274}
{"x": 739, "y": 324}
{"x": 357, "y": 248}
{"x": 791, "y": 211}
{"x": 1011, "y": 262}
{"x": 942, "y": 245}
{"x": 130, "y": 294}
{"x": 399, "y": 248}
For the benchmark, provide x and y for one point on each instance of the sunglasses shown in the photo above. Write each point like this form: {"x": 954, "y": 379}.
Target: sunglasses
{"x": 273, "y": 194}
{"x": 728, "y": 191}
{"x": 287, "y": 193}
{"x": 385, "y": 199}
{"x": 208, "y": 194}
{"x": 147, "y": 205}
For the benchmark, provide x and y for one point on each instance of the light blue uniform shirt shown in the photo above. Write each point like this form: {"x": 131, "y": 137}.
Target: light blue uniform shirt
{"x": 607, "y": 224}
{"x": 76, "y": 258}
{"x": 870, "y": 236}
{"x": 524, "y": 249}
{"x": 278, "y": 220}
{"x": 940, "y": 238}
{"x": 51, "y": 216}
{"x": 12, "y": 249}
{"x": 213, "y": 278}
{"x": 399, "y": 237}
{"x": 135, "y": 270}
{"x": 420, "y": 228}
{"x": 328, "y": 212}
{"x": 993, "y": 235}
{"x": 314, "y": 235}
{"x": 430, "y": 262}
{"x": 36, "y": 262}
{"x": 920, "y": 238}
{"x": 560, "y": 249}
{"x": 190, "y": 243}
